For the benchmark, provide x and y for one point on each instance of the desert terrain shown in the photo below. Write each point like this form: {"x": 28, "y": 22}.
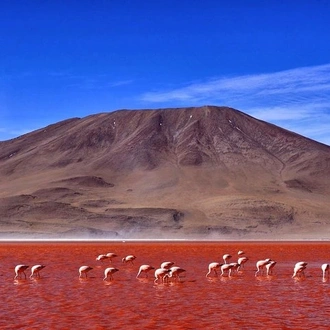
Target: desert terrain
{"x": 200, "y": 173}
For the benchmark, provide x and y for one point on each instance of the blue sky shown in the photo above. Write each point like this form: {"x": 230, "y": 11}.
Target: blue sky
{"x": 64, "y": 59}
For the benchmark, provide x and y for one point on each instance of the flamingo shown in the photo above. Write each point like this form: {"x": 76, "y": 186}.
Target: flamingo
{"x": 175, "y": 272}
{"x": 144, "y": 269}
{"x": 161, "y": 274}
{"x": 36, "y": 269}
{"x": 101, "y": 257}
{"x": 129, "y": 259}
{"x": 325, "y": 270}
{"x": 261, "y": 264}
{"x": 241, "y": 261}
{"x": 270, "y": 267}
{"x": 226, "y": 257}
{"x": 228, "y": 268}
{"x": 111, "y": 255}
{"x": 240, "y": 252}
{"x": 19, "y": 270}
{"x": 166, "y": 264}
{"x": 108, "y": 273}
{"x": 299, "y": 269}
{"x": 84, "y": 270}
{"x": 213, "y": 266}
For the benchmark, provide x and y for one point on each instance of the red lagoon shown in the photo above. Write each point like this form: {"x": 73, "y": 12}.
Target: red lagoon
{"x": 60, "y": 299}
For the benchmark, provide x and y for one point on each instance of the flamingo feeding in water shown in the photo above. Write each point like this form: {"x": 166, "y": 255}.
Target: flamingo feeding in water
{"x": 161, "y": 274}
{"x": 84, "y": 270}
{"x": 241, "y": 261}
{"x": 270, "y": 267}
{"x": 226, "y": 258}
{"x": 261, "y": 264}
{"x": 19, "y": 270}
{"x": 101, "y": 257}
{"x": 175, "y": 272}
{"x": 36, "y": 269}
{"x": 144, "y": 269}
{"x": 129, "y": 259}
{"x": 325, "y": 270}
{"x": 108, "y": 273}
{"x": 213, "y": 266}
{"x": 166, "y": 264}
{"x": 111, "y": 255}
{"x": 228, "y": 268}
{"x": 299, "y": 269}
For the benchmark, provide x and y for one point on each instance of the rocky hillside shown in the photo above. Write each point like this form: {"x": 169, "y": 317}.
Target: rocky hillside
{"x": 189, "y": 173}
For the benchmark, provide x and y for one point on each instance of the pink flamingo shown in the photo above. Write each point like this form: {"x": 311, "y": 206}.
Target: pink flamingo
{"x": 129, "y": 259}
{"x": 261, "y": 264}
{"x": 166, "y": 264}
{"x": 228, "y": 268}
{"x": 108, "y": 273}
{"x": 19, "y": 270}
{"x": 102, "y": 257}
{"x": 299, "y": 269}
{"x": 325, "y": 270}
{"x": 213, "y": 266}
{"x": 240, "y": 252}
{"x": 36, "y": 269}
{"x": 175, "y": 272}
{"x": 144, "y": 269}
{"x": 270, "y": 267}
{"x": 226, "y": 258}
{"x": 241, "y": 261}
{"x": 161, "y": 274}
{"x": 84, "y": 270}
{"x": 111, "y": 255}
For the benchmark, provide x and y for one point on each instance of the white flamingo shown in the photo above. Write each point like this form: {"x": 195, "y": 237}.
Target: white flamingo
{"x": 299, "y": 269}
{"x": 228, "y": 268}
{"x": 240, "y": 252}
{"x": 226, "y": 258}
{"x": 241, "y": 261}
{"x": 101, "y": 257}
{"x": 144, "y": 269}
{"x": 261, "y": 264}
{"x": 270, "y": 266}
{"x": 108, "y": 273}
{"x": 129, "y": 259}
{"x": 84, "y": 270}
{"x": 19, "y": 270}
{"x": 161, "y": 274}
{"x": 166, "y": 264}
{"x": 36, "y": 269}
{"x": 175, "y": 272}
{"x": 325, "y": 270}
{"x": 213, "y": 266}
{"x": 111, "y": 255}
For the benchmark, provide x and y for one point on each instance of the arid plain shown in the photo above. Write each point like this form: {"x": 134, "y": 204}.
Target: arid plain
{"x": 203, "y": 173}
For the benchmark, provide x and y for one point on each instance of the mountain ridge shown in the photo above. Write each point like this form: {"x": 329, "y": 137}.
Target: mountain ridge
{"x": 229, "y": 175}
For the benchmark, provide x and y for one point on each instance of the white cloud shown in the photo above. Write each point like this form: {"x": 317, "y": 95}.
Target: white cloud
{"x": 292, "y": 98}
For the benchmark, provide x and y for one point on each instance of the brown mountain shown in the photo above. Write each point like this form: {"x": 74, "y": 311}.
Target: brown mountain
{"x": 189, "y": 173}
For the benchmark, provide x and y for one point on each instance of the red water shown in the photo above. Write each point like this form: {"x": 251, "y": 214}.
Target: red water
{"x": 60, "y": 300}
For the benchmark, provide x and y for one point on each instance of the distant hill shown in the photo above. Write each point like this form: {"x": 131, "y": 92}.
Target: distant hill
{"x": 189, "y": 173}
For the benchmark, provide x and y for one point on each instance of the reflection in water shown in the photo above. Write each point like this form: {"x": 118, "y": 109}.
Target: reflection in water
{"x": 60, "y": 299}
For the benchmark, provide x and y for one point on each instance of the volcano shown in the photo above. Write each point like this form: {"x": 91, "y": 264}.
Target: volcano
{"x": 199, "y": 173}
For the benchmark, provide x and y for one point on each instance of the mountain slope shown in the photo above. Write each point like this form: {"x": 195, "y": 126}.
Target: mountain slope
{"x": 196, "y": 173}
